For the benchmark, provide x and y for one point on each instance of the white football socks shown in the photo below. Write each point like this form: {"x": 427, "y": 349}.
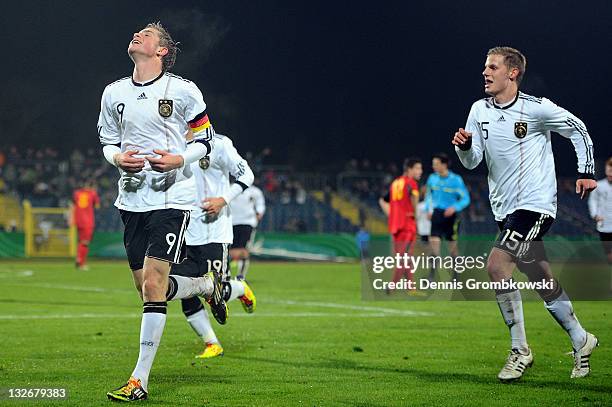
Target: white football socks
{"x": 237, "y": 290}
{"x": 151, "y": 329}
{"x": 511, "y": 307}
{"x": 180, "y": 287}
{"x": 200, "y": 323}
{"x": 562, "y": 311}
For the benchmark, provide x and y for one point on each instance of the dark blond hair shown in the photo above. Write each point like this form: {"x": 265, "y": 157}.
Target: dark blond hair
{"x": 166, "y": 41}
{"x": 513, "y": 58}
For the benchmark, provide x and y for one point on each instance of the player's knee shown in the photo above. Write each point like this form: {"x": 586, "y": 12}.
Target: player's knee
{"x": 495, "y": 269}
{"x": 152, "y": 286}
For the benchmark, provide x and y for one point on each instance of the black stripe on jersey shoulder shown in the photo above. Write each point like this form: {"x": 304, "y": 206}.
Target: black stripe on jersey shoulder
{"x": 147, "y": 83}
{"x": 119, "y": 80}
{"x": 170, "y": 74}
{"x": 530, "y": 98}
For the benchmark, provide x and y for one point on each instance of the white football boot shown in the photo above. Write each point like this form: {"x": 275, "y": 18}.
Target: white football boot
{"x": 515, "y": 366}
{"x": 581, "y": 357}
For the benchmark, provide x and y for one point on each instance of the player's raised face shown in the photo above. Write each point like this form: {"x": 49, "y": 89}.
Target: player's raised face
{"x": 608, "y": 171}
{"x": 496, "y": 75}
{"x": 146, "y": 42}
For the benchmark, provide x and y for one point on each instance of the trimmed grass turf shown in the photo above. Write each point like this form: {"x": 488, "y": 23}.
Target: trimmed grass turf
{"x": 309, "y": 343}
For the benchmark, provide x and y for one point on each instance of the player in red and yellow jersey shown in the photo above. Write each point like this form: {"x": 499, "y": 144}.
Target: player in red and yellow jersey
{"x": 400, "y": 204}
{"x": 83, "y": 202}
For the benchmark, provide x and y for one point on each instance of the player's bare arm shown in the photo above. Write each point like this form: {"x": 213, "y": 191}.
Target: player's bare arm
{"x": 462, "y": 139}
{"x": 128, "y": 163}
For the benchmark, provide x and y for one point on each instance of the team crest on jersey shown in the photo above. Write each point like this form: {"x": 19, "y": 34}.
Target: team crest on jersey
{"x": 204, "y": 162}
{"x": 165, "y": 107}
{"x": 520, "y": 129}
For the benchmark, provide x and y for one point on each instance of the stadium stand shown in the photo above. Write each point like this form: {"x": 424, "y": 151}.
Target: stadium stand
{"x": 296, "y": 202}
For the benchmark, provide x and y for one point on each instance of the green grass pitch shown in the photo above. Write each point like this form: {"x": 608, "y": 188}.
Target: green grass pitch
{"x": 311, "y": 342}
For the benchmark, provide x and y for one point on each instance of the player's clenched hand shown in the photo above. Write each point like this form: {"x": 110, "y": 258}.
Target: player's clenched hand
{"x": 166, "y": 162}
{"x": 450, "y": 211}
{"x": 128, "y": 163}
{"x": 212, "y": 206}
{"x": 584, "y": 186}
{"x": 462, "y": 139}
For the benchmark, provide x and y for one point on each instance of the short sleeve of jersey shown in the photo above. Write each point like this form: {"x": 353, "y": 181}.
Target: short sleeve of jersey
{"x": 194, "y": 101}
{"x": 108, "y": 123}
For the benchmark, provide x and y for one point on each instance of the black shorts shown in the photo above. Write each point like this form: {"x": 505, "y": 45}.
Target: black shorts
{"x": 242, "y": 236}
{"x": 202, "y": 259}
{"x": 521, "y": 234}
{"x": 159, "y": 234}
{"x": 447, "y": 228}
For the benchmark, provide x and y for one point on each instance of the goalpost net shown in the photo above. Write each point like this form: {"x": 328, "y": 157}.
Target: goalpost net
{"x": 48, "y": 232}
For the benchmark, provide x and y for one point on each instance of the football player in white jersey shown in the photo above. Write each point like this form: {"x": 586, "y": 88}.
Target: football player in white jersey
{"x": 210, "y": 233}
{"x": 513, "y": 131}
{"x": 143, "y": 124}
{"x": 247, "y": 211}
{"x": 600, "y": 208}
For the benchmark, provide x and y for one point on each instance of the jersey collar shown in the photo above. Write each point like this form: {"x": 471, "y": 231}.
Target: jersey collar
{"x": 508, "y": 105}
{"x": 147, "y": 83}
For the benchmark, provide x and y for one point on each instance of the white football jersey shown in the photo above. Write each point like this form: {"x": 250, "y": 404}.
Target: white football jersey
{"x": 516, "y": 143}
{"x": 212, "y": 175}
{"x": 247, "y": 206}
{"x": 600, "y": 204}
{"x": 147, "y": 117}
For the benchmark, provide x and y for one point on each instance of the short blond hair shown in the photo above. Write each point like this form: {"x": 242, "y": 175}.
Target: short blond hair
{"x": 166, "y": 41}
{"x": 513, "y": 58}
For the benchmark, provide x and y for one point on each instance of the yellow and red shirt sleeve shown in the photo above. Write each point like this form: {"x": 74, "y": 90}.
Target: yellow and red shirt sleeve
{"x": 202, "y": 129}
{"x": 201, "y": 126}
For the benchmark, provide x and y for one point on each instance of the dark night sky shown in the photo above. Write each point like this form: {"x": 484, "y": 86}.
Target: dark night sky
{"x": 319, "y": 82}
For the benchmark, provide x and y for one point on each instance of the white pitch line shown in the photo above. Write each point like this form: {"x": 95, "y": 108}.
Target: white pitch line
{"x": 75, "y": 288}
{"x": 16, "y": 273}
{"x": 315, "y": 304}
{"x": 352, "y": 307}
{"x": 256, "y": 315}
